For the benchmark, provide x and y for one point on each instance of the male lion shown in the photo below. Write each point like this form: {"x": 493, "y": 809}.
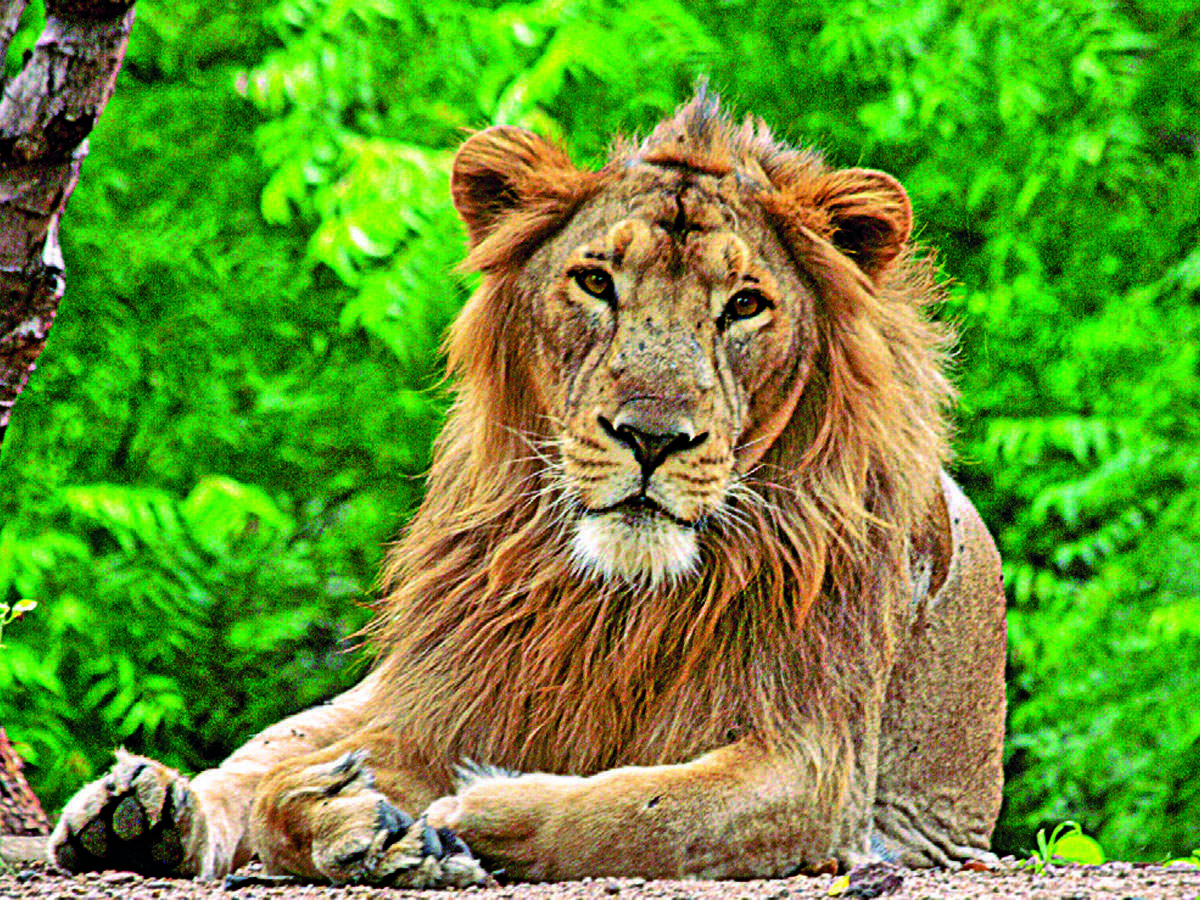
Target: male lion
{"x": 687, "y": 553}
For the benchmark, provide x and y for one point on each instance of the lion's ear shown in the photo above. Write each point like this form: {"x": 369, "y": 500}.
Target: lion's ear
{"x": 499, "y": 169}
{"x": 870, "y": 215}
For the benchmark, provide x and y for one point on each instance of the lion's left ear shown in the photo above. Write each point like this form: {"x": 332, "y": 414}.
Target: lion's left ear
{"x": 499, "y": 169}
{"x": 870, "y": 216}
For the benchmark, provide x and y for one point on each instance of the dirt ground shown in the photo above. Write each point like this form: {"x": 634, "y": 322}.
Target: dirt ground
{"x": 25, "y": 877}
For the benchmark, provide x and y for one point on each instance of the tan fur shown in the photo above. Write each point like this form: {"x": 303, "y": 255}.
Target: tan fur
{"x": 739, "y": 659}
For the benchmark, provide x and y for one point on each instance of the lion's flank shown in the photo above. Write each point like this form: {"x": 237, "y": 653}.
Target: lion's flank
{"x": 500, "y": 650}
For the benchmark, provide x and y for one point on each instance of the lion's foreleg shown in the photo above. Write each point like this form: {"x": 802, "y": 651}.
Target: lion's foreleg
{"x": 347, "y": 814}
{"x": 741, "y": 811}
{"x": 147, "y": 817}
{"x": 224, "y": 795}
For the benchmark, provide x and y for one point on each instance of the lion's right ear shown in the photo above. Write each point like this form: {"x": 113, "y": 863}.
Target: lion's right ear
{"x": 870, "y": 214}
{"x": 498, "y": 170}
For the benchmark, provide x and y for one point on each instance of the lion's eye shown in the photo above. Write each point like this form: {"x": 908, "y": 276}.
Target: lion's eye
{"x": 745, "y": 305}
{"x": 595, "y": 282}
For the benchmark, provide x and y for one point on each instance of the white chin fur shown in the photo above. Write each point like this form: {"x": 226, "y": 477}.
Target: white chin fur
{"x": 648, "y": 551}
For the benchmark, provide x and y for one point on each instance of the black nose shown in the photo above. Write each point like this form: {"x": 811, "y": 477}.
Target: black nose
{"x": 651, "y": 447}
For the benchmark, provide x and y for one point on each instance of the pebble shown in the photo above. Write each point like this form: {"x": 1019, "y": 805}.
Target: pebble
{"x": 1114, "y": 881}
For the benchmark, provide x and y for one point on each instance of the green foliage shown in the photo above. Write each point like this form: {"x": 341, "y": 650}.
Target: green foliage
{"x": 1067, "y": 843}
{"x": 369, "y": 175}
{"x": 242, "y": 387}
{"x": 10, "y": 613}
{"x": 203, "y": 472}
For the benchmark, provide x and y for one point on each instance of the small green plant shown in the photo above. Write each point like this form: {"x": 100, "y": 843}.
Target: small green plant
{"x": 10, "y": 614}
{"x": 1193, "y": 860}
{"x": 1067, "y": 843}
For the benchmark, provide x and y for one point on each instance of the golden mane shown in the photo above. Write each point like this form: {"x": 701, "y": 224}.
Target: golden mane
{"x": 494, "y": 645}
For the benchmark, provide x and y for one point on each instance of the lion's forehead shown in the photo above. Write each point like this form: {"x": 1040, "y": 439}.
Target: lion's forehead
{"x": 639, "y": 245}
{"x": 662, "y": 188}
{"x": 678, "y": 220}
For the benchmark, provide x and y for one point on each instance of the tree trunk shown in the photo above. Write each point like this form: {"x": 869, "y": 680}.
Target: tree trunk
{"x": 46, "y": 114}
{"x": 45, "y": 117}
{"x": 20, "y": 812}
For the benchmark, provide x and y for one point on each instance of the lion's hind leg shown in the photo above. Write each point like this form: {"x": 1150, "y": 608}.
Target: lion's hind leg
{"x": 342, "y": 815}
{"x": 941, "y": 751}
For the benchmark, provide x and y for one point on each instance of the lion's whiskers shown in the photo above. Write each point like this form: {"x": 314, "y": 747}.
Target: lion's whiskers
{"x": 541, "y": 445}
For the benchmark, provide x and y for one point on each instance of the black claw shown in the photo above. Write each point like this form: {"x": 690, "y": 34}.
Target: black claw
{"x": 349, "y": 762}
{"x": 453, "y": 844}
{"x": 179, "y": 798}
{"x": 354, "y": 856}
{"x": 392, "y": 820}
{"x": 431, "y": 845}
{"x": 346, "y": 770}
{"x": 176, "y": 799}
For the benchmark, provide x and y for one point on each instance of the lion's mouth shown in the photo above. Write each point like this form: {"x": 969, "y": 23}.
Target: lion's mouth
{"x": 637, "y": 541}
{"x": 640, "y": 509}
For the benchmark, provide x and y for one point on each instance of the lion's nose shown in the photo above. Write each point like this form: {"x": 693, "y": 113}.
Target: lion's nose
{"x": 652, "y": 443}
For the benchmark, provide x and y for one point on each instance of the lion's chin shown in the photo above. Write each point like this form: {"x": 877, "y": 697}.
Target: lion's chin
{"x": 642, "y": 550}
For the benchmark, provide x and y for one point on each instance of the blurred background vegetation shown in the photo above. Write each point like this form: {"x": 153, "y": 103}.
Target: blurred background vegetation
{"x": 237, "y": 402}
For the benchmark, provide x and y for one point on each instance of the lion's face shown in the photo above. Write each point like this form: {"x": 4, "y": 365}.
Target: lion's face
{"x": 662, "y": 309}
{"x": 666, "y": 329}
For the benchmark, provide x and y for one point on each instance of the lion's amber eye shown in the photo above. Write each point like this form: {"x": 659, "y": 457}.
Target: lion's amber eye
{"x": 595, "y": 282}
{"x": 746, "y": 305}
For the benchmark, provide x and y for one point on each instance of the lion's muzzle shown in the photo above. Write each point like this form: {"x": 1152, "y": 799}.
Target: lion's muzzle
{"x": 651, "y": 436}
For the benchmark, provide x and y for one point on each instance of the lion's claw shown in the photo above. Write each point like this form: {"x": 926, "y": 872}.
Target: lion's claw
{"x": 402, "y": 853}
{"x": 370, "y": 841}
{"x": 394, "y": 821}
{"x": 134, "y": 818}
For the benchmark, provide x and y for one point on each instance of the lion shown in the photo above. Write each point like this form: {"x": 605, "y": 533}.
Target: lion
{"x": 690, "y": 593}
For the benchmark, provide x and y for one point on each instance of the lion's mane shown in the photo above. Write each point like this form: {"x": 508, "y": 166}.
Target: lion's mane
{"x": 494, "y": 645}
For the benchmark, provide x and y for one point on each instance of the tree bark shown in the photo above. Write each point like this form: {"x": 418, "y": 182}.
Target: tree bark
{"x": 20, "y": 812}
{"x": 46, "y": 114}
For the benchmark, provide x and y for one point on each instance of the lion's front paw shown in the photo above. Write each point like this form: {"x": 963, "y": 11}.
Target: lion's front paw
{"x": 511, "y": 821}
{"x": 140, "y": 817}
{"x": 361, "y": 838}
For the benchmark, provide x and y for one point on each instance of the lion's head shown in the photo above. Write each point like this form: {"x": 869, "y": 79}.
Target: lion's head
{"x": 666, "y": 329}
{"x": 696, "y": 396}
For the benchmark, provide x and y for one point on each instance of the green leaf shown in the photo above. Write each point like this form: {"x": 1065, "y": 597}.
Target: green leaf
{"x": 1078, "y": 847}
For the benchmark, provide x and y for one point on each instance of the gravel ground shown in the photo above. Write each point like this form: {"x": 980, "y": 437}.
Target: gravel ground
{"x": 1124, "y": 881}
